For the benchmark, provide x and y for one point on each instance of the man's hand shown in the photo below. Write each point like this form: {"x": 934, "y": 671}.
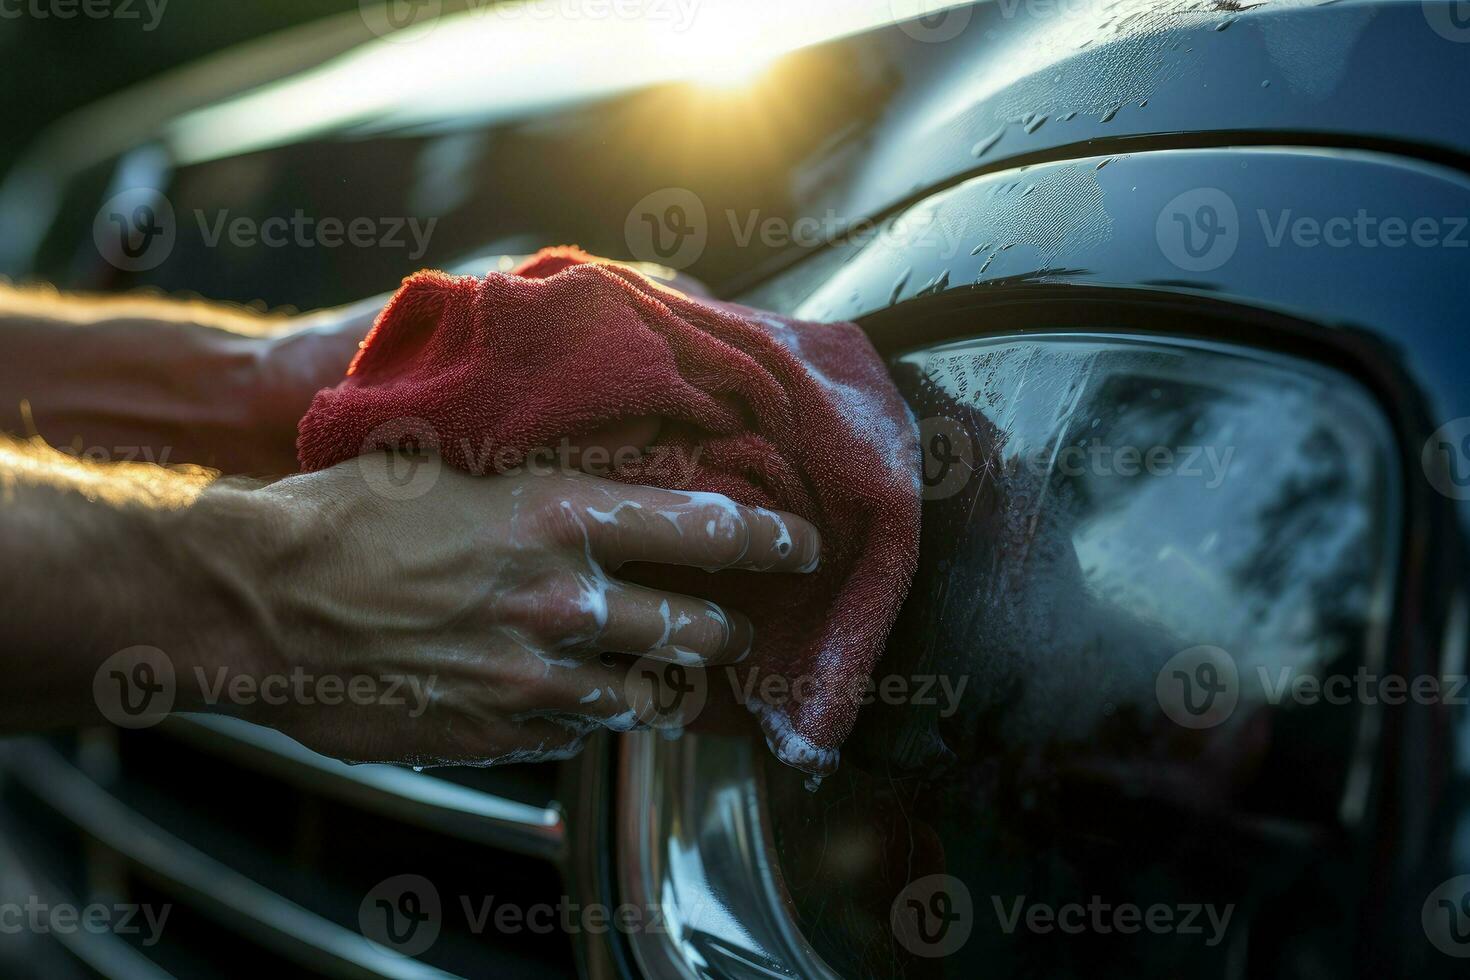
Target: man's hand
{"x": 493, "y": 599}
{"x": 487, "y": 602}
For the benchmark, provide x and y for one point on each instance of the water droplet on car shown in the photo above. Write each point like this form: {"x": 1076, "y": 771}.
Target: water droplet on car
{"x": 1111, "y": 114}
{"x": 936, "y": 285}
{"x": 1035, "y": 124}
{"x": 903, "y": 280}
{"x": 988, "y": 143}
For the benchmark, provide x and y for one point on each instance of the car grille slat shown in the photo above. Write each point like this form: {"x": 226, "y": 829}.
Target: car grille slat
{"x": 101, "y": 953}
{"x": 229, "y": 898}
{"x": 402, "y": 794}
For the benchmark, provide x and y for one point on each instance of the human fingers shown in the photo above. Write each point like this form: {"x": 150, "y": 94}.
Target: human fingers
{"x": 676, "y": 628}
{"x": 703, "y": 530}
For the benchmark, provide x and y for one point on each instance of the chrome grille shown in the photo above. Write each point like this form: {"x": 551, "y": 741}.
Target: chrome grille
{"x": 262, "y": 851}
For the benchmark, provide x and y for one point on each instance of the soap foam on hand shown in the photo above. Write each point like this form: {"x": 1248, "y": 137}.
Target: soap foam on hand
{"x": 767, "y": 411}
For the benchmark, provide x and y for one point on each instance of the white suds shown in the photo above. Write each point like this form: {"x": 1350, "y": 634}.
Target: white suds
{"x": 611, "y": 516}
{"x": 789, "y": 745}
{"x": 593, "y": 587}
{"x": 783, "y": 539}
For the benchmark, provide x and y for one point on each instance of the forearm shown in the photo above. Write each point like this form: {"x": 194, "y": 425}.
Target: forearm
{"x": 167, "y": 382}
{"x": 100, "y": 559}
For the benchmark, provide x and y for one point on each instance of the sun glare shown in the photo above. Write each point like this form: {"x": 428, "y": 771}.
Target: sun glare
{"x": 515, "y": 59}
{"x": 730, "y": 71}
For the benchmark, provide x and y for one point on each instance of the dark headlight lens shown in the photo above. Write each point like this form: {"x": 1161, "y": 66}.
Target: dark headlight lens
{"x": 1137, "y": 680}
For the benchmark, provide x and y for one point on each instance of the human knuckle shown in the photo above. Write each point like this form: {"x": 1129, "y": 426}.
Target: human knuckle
{"x": 729, "y": 533}
{"x": 554, "y": 605}
{"x": 706, "y": 633}
{"x": 557, "y": 521}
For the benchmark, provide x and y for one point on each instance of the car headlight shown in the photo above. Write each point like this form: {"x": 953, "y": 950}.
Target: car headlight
{"x": 1126, "y": 720}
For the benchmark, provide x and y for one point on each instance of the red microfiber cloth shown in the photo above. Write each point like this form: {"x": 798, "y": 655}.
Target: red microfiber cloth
{"x": 769, "y": 411}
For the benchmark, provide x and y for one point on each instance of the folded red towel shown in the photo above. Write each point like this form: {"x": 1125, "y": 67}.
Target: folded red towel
{"x": 768, "y": 411}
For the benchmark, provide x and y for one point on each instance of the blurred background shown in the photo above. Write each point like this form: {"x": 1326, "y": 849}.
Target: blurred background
{"x": 49, "y": 67}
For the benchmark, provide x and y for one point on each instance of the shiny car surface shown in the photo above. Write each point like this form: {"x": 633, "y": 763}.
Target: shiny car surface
{"x": 1176, "y": 291}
